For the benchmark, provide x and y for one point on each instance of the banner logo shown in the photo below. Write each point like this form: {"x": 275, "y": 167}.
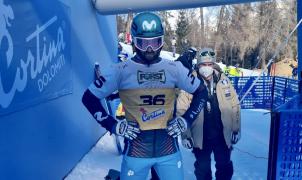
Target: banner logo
{"x": 39, "y": 58}
{"x": 6, "y": 15}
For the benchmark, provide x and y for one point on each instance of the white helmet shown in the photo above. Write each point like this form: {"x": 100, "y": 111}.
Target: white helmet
{"x": 206, "y": 55}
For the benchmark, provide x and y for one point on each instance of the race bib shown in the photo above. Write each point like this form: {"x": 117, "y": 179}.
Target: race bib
{"x": 151, "y": 108}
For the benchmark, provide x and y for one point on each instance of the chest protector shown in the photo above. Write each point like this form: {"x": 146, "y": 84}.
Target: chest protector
{"x": 151, "y": 108}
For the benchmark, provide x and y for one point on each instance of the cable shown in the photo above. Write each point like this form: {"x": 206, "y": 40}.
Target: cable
{"x": 239, "y": 94}
{"x": 259, "y": 59}
{"x": 250, "y": 154}
{"x": 280, "y": 47}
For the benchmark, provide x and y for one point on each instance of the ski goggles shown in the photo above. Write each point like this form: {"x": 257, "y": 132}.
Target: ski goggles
{"x": 144, "y": 43}
{"x": 208, "y": 53}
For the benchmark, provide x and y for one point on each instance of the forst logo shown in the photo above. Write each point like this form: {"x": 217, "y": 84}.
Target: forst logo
{"x": 151, "y": 76}
{"x": 149, "y": 26}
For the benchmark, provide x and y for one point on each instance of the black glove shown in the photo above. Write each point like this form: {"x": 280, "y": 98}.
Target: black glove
{"x": 235, "y": 137}
{"x": 186, "y": 62}
{"x": 126, "y": 129}
{"x": 177, "y": 126}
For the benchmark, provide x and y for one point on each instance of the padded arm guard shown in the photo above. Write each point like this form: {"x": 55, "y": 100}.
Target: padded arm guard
{"x": 200, "y": 97}
{"x": 94, "y": 106}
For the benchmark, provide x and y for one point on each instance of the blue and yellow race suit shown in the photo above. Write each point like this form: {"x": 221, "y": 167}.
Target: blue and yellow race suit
{"x": 148, "y": 96}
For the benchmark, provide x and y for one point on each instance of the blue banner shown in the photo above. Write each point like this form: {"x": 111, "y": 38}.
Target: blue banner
{"x": 288, "y": 158}
{"x": 260, "y": 95}
{"x": 284, "y": 89}
{"x": 35, "y": 60}
{"x": 269, "y": 92}
{"x": 279, "y": 91}
{"x": 292, "y": 88}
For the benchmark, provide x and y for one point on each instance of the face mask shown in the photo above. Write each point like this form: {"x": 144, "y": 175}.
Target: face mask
{"x": 206, "y": 71}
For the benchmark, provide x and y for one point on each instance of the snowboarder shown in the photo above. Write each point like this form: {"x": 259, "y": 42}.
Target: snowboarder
{"x": 146, "y": 85}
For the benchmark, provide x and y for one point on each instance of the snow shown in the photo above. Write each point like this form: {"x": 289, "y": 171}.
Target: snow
{"x": 250, "y": 155}
{"x": 98, "y": 161}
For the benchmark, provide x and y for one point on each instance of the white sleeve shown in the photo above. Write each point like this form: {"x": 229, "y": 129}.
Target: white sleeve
{"x": 186, "y": 80}
{"x": 107, "y": 84}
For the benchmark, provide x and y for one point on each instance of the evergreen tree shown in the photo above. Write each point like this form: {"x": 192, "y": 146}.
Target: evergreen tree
{"x": 165, "y": 15}
{"x": 182, "y": 30}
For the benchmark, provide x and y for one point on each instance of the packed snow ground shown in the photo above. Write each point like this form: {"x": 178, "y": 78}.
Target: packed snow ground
{"x": 250, "y": 155}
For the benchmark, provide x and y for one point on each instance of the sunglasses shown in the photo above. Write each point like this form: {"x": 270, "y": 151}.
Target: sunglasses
{"x": 208, "y": 53}
{"x": 144, "y": 43}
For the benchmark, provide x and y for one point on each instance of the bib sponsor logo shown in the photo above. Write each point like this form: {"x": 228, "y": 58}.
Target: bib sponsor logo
{"x": 153, "y": 115}
{"x": 149, "y": 26}
{"x": 151, "y": 76}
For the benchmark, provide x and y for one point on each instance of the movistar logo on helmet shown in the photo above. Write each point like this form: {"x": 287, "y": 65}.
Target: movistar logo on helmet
{"x": 149, "y": 26}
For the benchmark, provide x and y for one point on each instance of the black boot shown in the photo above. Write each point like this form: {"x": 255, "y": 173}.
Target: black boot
{"x": 224, "y": 171}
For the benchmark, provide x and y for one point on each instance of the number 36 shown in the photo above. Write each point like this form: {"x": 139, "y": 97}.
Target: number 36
{"x": 150, "y": 100}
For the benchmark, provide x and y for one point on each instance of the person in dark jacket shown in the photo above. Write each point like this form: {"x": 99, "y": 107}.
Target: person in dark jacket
{"x": 217, "y": 127}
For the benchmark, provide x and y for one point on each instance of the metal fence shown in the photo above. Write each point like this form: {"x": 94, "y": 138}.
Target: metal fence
{"x": 268, "y": 93}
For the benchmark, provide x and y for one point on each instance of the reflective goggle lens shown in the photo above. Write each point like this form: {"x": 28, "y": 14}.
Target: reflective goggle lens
{"x": 143, "y": 43}
{"x": 210, "y": 53}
